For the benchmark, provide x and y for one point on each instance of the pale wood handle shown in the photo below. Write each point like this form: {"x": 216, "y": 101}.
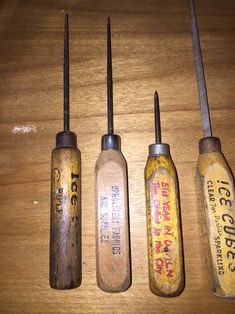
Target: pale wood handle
{"x": 165, "y": 252}
{"x": 112, "y": 225}
{"x": 218, "y": 192}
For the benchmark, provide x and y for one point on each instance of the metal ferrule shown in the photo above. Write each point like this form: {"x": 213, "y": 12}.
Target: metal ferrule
{"x": 209, "y": 144}
{"x": 66, "y": 139}
{"x": 159, "y": 149}
{"x": 110, "y": 141}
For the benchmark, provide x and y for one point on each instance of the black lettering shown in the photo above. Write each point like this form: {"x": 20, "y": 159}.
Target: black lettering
{"x": 74, "y": 187}
{"x": 224, "y": 201}
{"x": 231, "y": 220}
{"x": 229, "y": 230}
{"x": 230, "y": 253}
{"x": 230, "y": 242}
{"x": 227, "y": 192}
{"x": 223, "y": 182}
{"x": 231, "y": 267}
{"x": 74, "y": 199}
{"x": 74, "y": 175}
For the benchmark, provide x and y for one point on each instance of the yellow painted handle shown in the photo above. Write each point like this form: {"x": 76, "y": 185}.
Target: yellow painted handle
{"x": 165, "y": 253}
{"x": 65, "y": 236}
{"x": 112, "y": 225}
{"x": 218, "y": 191}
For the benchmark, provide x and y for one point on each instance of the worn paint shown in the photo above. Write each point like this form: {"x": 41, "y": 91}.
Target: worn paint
{"x": 218, "y": 190}
{"x": 65, "y": 239}
{"x": 165, "y": 255}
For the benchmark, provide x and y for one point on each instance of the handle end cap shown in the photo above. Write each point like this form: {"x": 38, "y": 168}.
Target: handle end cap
{"x": 66, "y": 139}
{"x": 159, "y": 149}
{"x": 110, "y": 141}
{"x": 209, "y": 144}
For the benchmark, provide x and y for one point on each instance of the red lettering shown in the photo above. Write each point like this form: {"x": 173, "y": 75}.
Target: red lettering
{"x": 157, "y": 213}
{"x": 156, "y": 204}
{"x": 157, "y": 217}
{"x": 165, "y": 193}
{"x": 159, "y": 265}
{"x": 168, "y": 262}
{"x": 168, "y": 242}
{"x": 170, "y": 273}
{"x": 167, "y": 217}
{"x": 167, "y": 230}
{"x": 155, "y": 186}
{"x": 168, "y": 266}
{"x": 166, "y": 209}
{"x": 157, "y": 231}
{"x": 165, "y": 189}
{"x": 158, "y": 246}
{"x": 166, "y": 206}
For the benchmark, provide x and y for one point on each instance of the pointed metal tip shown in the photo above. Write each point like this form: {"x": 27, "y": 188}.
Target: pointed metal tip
{"x": 66, "y": 18}
{"x": 157, "y": 118}
{"x": 156, "y": 103}
{"x": 108, "y": 27}
{"x": 156, "y": 98}
{"x": 66, "y": 25}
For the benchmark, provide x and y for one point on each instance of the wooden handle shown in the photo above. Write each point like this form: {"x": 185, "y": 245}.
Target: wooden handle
{"x": 65, "y": 237}
{"x": 112, "y": 225}
{"x": 165, "y": 253}
{"x": 218, "y": 191}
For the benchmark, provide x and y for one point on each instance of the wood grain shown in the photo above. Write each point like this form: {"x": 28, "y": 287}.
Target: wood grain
{"x": 152, "y": 50}
{"x": 165, "y": 250}
{"x": 218, "y": 192}
{"x": 113, "y": 265}
{"x": 65, "y": 219}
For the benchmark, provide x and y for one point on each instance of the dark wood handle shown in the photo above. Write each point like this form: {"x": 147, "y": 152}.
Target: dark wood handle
{"x": 65, "y": 233}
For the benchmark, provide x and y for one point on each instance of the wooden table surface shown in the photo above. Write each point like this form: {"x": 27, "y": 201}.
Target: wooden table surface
{"x": 152, "y": 49}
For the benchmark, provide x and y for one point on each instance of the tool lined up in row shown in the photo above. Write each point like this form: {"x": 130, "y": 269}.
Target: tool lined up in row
{"x": 112, "y": 217}
{"x": 164, "y": 235}
{"x": 65, "y": 230}
{"x": 217, "y": 187}
{"x": 165, "y": 251}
